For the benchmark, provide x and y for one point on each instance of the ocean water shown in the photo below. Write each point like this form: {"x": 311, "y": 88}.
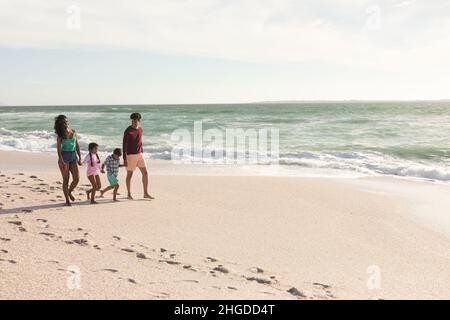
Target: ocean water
{"x": 408, "y": 139}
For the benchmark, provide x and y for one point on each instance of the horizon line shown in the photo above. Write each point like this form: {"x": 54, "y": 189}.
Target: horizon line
{"x": 235, "y": 103}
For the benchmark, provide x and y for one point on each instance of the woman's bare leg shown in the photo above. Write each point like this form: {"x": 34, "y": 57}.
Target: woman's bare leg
{"x": 64, "y": 168}
{"x": 73, "y": 168}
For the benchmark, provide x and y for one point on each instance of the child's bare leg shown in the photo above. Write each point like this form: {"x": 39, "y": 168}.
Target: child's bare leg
{"x": 91, "y": 193}
{"x": 98, "y": 182}
{"x": 116, "y": 187}
{"x": 102, "y": 192}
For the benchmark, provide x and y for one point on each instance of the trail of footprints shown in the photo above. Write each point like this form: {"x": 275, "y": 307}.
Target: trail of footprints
{"x": 141, "y": 253}
{"x": 211, "y": 266}
{"x": 38, "y": 188}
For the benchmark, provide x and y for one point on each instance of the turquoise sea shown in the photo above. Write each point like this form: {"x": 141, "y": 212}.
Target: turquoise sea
{"x": 408, "y": 139}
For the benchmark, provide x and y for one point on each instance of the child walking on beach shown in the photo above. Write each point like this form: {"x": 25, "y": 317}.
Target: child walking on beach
{"x": 92, "y": 161}
{"x": 112, "y": 164}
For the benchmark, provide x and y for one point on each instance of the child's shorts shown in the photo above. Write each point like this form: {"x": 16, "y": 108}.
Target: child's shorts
{"x": 112, "y": 180}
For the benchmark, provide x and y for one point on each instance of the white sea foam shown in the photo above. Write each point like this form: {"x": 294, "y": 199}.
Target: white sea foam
{"x": 367, "y": 164}
{"x": 34, "y": 141}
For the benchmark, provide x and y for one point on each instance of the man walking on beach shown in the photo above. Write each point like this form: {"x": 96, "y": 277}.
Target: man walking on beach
{"x": 133, "y": 154}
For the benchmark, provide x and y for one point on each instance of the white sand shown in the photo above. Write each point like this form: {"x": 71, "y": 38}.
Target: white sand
{"x": 318, "y": 235}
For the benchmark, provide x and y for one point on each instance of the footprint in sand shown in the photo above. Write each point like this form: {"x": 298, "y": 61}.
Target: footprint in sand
{"x": 141, "y": 256}
{"x": 295, "y": 292}
{"x": 48, "y": 234}
{"x": 190, "y": 268}
{"x": 169, "y": 262}
{"x": 221, "y": 269}
{"x": 10, "y": 261}
{"x": 209, "y": 259}
{"x": 111, "y": 270}
{"x": 17, "y": 223}
{"x": 322, "y": 286}
{"x": 257, "y": 270}
{"x": 191, "y": 281}
{"x": 259, "y": 280}
{"x": 81, "y": 242}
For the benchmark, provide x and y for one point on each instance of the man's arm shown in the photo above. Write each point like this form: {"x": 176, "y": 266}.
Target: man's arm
{"x": 125, "y": 145}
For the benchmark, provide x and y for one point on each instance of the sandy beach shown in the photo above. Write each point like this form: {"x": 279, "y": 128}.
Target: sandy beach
{"x": 221, "y": 237}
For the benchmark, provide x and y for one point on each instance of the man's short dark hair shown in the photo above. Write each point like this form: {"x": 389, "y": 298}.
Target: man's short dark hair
{"x": 118, "y": 152}
{"x": 136, "y": 116}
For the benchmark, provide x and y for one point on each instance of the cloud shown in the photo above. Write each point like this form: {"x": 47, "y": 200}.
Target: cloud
{"x": 402, "y": 4}
{"x": 411, "y": 34}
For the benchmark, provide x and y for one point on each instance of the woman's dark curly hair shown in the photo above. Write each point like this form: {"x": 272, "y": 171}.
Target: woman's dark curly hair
{"x": 60, "y": 126}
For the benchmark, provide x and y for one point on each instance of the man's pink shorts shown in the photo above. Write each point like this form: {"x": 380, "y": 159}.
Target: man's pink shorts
{"x": 135, "y": 160}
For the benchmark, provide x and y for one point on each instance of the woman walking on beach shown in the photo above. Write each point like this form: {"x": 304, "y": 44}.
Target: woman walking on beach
{"x": 68, "y": 149}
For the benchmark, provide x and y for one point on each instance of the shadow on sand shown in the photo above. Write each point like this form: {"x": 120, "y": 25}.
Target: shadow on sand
{"x": 30, "y": 209}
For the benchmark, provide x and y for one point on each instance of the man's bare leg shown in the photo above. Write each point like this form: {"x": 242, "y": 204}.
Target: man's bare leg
{"x": 145, "y": 183}
{"x": 129, "y": 176}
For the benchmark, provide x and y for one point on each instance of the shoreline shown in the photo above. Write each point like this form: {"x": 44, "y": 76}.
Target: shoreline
{"x": 221, "y": 237}
{"x": 168, "y": 167}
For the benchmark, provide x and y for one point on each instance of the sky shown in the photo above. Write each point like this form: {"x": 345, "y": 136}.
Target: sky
{"x": 57, "y": 52}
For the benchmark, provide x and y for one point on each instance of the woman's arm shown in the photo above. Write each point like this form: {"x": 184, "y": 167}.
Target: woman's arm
{"x": 77, "y": 148}
{"x": 58, "y": 150}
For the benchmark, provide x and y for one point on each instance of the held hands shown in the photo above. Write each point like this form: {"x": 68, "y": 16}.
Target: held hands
{"x": 125, "y": 163}
{"x": 80, "y": 163}
{"x": 103, "y": 171}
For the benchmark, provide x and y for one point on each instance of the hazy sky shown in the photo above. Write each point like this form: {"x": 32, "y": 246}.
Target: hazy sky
{"x": 212, "y": 51}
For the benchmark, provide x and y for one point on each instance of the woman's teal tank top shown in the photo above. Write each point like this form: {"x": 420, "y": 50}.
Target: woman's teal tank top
{"x": 69, "y": 144}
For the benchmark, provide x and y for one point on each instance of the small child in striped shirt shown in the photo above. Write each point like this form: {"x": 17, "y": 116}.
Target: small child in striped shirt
{"x": 112, "y": 163}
